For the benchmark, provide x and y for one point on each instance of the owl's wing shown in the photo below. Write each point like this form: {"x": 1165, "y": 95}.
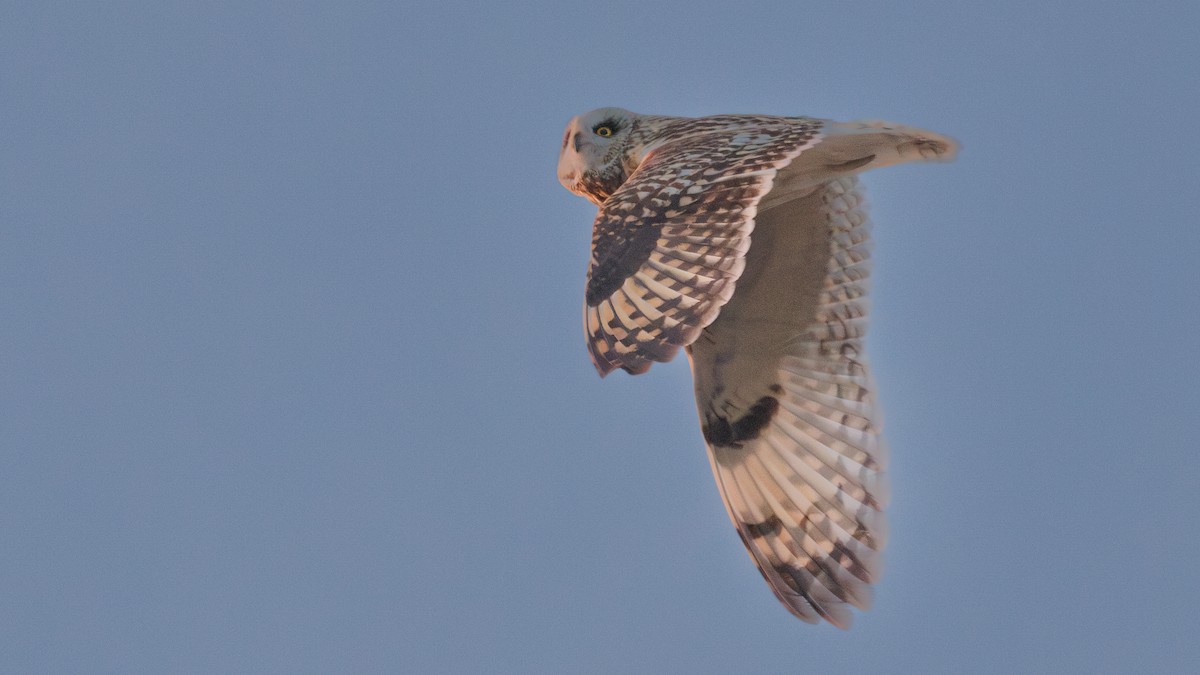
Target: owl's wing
{"x": 787, "y": 410}
{"x": 785, "y": 400}
{"x": 668, "y": 245}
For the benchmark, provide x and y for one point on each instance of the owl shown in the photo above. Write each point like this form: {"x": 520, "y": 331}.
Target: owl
{"x": 743, "y": 239}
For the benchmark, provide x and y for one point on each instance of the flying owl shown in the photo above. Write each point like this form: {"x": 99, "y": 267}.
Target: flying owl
{"x": 744, "y": 240}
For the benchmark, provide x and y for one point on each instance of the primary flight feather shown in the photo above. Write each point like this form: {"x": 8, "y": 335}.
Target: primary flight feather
{"x": 744, "y": 240}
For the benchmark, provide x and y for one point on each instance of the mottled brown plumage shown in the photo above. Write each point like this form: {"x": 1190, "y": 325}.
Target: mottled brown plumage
{"x": 743, "y": 238}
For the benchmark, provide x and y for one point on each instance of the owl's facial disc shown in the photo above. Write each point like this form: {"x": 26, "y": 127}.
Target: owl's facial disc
{"x": 588, "y": 147}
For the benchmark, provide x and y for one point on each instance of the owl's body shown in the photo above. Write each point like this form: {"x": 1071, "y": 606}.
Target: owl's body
{"x": 743, "y": 239}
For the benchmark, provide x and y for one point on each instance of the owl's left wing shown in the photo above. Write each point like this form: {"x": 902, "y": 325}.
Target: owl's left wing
{"x": 787, "y": 406}
{"x": 668, "y": 244}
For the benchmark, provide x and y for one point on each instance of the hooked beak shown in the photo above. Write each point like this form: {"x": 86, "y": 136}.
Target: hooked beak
{"x": 571, "y": 157}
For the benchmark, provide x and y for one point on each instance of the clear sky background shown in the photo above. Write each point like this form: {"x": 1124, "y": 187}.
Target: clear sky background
{"x": 292, "y": 377}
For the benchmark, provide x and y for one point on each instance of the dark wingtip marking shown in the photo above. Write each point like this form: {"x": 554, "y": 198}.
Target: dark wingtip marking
{"x": 719, "y": 432}
{"x": 770, "y": 527}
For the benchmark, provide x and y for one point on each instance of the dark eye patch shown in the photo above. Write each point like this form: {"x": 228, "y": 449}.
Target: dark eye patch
{"x": 611, "y": 123}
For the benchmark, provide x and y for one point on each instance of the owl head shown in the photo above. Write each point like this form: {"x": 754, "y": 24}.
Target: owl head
{"x": 595, "y": 157}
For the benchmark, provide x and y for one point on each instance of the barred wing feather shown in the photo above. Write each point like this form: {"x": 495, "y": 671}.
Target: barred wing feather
{"x": 668, "y": 245}
{"x": 787, "y": 409}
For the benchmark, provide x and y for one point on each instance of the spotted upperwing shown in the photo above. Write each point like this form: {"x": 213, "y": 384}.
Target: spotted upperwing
{"x": 669, "y": 244}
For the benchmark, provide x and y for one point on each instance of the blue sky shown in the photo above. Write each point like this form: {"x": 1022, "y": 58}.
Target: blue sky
{"x": 292, "y": 377}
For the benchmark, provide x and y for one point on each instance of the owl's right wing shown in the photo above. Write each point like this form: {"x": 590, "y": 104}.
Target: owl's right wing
{"x": 668, "y": 244}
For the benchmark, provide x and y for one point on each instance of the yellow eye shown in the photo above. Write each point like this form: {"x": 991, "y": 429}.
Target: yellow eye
{"x": 603, "y": 131}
